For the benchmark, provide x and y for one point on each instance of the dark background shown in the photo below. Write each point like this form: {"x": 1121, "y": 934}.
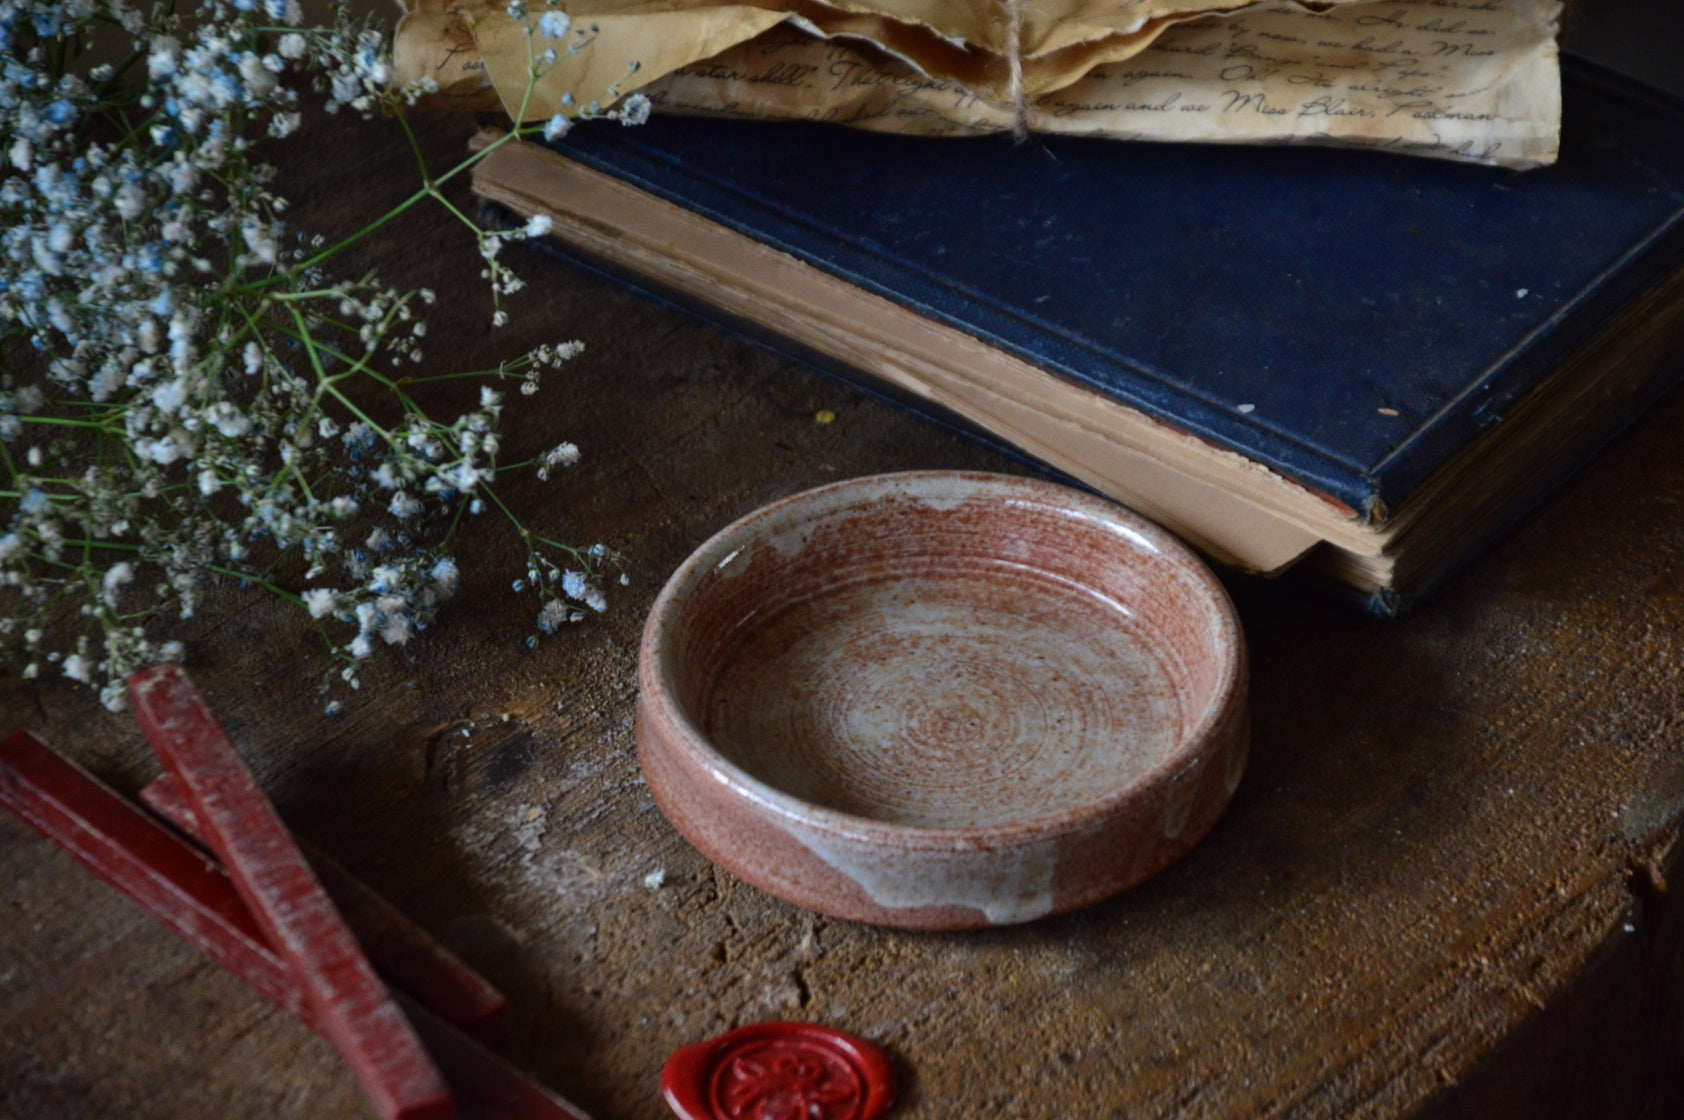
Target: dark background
{"x": 1641, "y": 37}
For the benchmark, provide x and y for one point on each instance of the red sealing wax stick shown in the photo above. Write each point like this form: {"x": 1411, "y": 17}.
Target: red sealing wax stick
{"x": 402, "y": 951}
{"x": 770, "y": 1071}
{"x": 352, "y": 1008}
{"x": 122, "y": 845}
{"x": 191, "y": 895}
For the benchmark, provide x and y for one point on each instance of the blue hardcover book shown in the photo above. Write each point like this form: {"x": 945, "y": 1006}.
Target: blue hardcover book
{"x": 1371, "y": 361}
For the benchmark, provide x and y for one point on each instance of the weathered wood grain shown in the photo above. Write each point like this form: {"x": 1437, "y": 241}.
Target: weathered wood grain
{"x": 408, "y": 957}
{"x": 1441, "y": 887}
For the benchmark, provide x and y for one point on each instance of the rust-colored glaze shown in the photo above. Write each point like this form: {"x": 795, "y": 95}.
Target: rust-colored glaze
{"x": 780, "y": 1071}
{"x": 351, "y": 1006}
{"x": 942, "y": 700}
{"x": 404, "y": 953}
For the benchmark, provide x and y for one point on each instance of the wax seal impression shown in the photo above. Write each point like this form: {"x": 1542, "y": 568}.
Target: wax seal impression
{"x": 780, "y": 1071}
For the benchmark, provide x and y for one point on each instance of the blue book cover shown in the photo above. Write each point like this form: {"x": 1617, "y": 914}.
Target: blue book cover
{"x": 1350, "y": 320}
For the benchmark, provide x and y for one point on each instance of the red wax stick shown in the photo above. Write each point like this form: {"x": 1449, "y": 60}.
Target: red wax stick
{"x": 191, "y": 895}
{"x": 352, "y": 1008}
{"x": 122, "y": 845}
{"x": 402, "y": 951}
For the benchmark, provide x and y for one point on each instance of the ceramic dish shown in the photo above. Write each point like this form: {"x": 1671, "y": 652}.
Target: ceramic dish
{"x": 942, "y": 700}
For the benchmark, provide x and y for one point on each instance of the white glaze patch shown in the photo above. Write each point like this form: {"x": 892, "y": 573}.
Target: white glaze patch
{"x": 790, "y": 542}
{"x": 944, "y": 503}
{"x": 1006, "y": 887}
{"x": 729, "y": 568}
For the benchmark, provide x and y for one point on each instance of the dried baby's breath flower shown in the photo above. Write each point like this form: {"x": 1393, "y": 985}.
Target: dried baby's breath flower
{"x": 187, "y": 392}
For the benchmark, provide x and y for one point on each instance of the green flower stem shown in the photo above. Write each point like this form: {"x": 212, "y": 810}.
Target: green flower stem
{"x": 250, "y": 577}
{"x": 499, "y": 372}
{"x": 453, "y": 209}
{"x": 108, "y": 88}
{"x": 66, "y": 422}
{"x": 331, "y": 390}
{"x": 428, "y": 190}
{"x": 528, "y": 535}
{"x": 414, "y": 145}
{"x": 90, "y": 546}
{"x": 324, "y": 353}
{"x": 455, "y": 521}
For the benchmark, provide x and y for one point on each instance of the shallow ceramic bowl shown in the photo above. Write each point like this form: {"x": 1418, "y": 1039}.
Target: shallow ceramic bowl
{"x": 941, "y": 700}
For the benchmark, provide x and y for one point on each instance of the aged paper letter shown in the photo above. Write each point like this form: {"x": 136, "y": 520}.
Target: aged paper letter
{"x": 1467, "y": 79}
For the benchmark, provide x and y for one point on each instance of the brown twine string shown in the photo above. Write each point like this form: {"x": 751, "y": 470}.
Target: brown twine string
{"x": 1014, "y": 69}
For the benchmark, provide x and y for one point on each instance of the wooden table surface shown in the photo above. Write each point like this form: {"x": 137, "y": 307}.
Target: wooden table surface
{"x": 1441, "y": 888}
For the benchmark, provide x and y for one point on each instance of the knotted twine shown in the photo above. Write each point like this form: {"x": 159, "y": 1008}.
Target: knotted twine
{"x": 1014, "y": 70}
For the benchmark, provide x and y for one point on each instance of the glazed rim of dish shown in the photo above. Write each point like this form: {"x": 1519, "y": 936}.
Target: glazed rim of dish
{"x": 1145, "y": 542}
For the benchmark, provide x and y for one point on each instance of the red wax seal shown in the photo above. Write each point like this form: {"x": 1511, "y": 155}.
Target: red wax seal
{"x": 780, "y": 1071}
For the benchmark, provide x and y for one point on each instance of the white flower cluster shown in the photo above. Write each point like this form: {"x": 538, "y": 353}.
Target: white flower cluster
{"x": 557, "y": 35}
{"x": 185, "y": 394}
{"x": 559, "y": 589}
